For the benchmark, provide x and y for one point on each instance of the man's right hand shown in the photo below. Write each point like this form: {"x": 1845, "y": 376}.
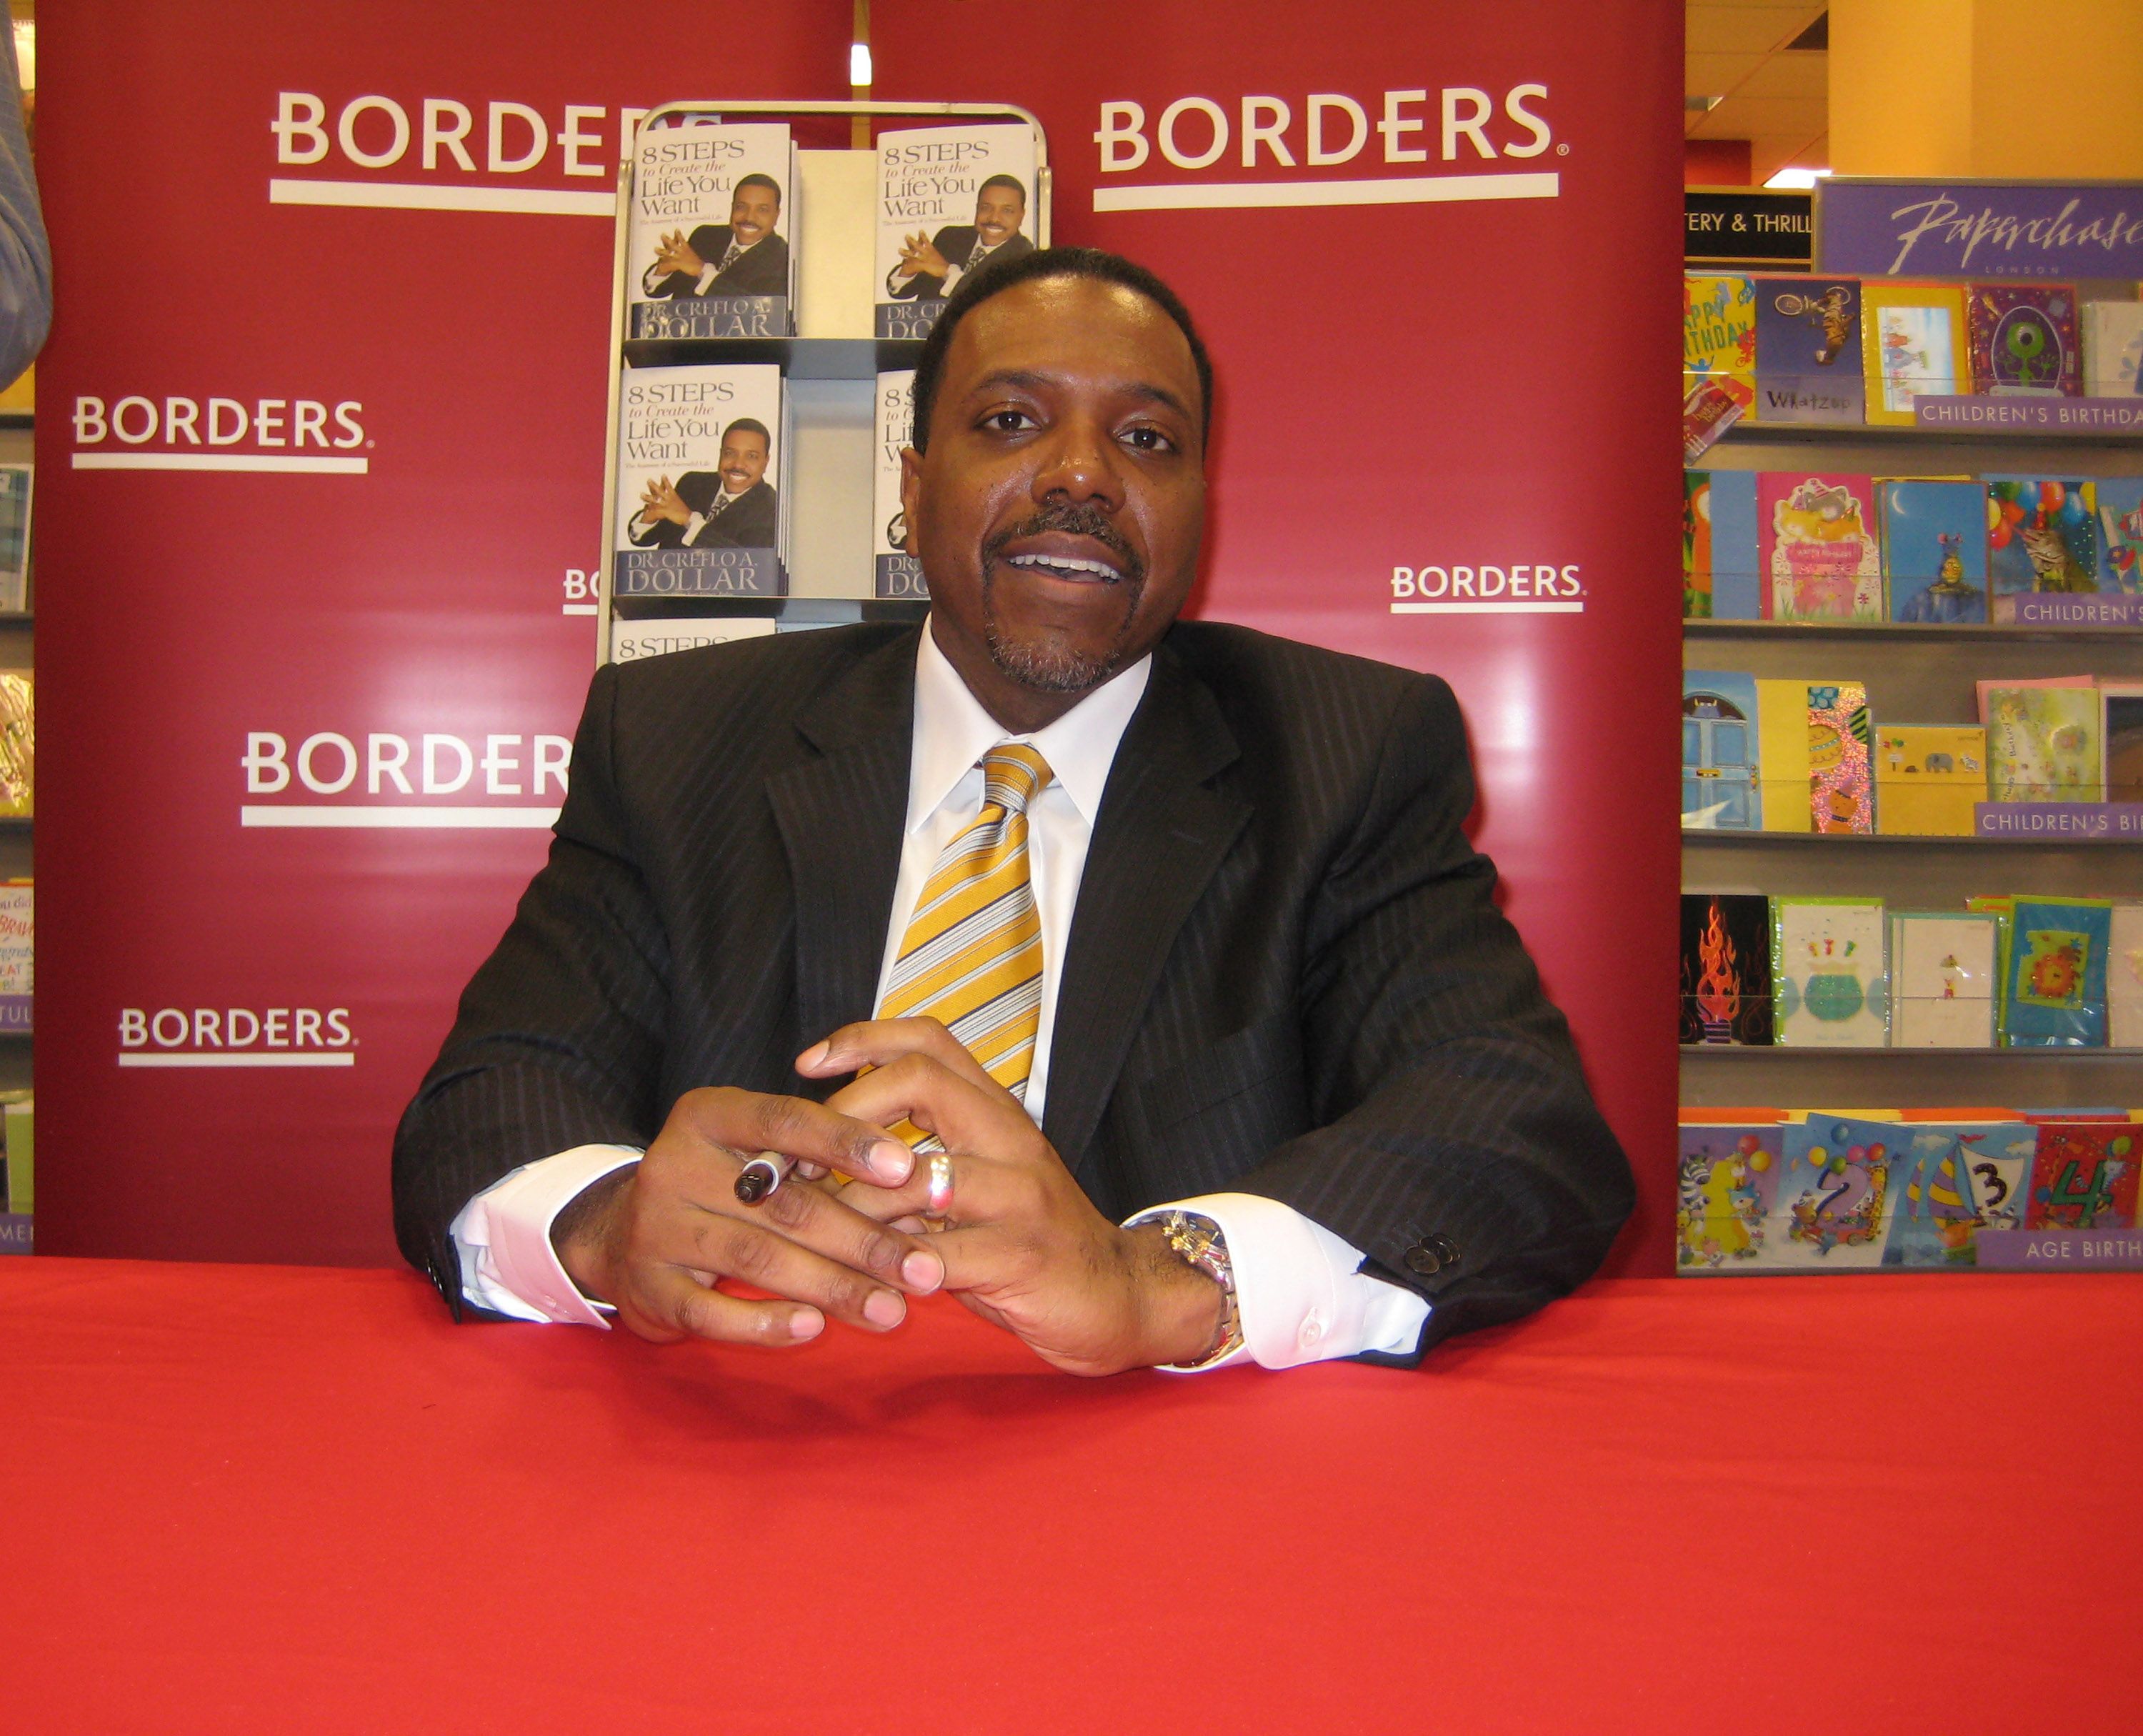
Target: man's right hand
{"x": 651, "y": 1239}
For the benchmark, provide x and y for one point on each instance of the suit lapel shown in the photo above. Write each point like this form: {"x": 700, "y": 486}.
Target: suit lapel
{"x": 1157, "y": 841}
{"x": 840, "y": 810}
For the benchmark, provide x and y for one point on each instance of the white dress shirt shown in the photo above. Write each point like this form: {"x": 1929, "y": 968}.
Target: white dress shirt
{"x": 1301, "y": 1293}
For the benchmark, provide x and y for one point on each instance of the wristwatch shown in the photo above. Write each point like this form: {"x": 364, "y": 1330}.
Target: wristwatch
{"x": 1196, "y": 1240}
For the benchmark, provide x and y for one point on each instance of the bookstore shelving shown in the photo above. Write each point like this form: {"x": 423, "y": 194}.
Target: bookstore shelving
{"x": 831, "y": 363}
{"x": 1919, "y": 674}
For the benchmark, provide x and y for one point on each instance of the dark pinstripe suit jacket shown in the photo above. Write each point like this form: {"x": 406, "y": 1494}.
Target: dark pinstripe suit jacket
{"x": 1286, "y": 973}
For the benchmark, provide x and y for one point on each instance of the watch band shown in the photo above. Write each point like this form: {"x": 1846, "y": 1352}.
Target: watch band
{"x": 1196, "y": 1241}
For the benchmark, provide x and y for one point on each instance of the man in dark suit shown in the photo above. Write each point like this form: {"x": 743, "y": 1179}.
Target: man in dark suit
{"x": 741, "y": 257}
{"x": 733, "y": 506}
{"x": 1286, "y": 1085}
{"x": 931, "y": 267}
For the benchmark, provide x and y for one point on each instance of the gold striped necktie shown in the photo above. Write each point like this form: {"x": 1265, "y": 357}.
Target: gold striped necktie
{"x": 972, "y": 956}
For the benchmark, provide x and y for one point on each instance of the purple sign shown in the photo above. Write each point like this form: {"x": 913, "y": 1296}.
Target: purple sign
{"x": 1979, "y": 228}
{"x": 2111, "y": 820}
{"x": 2060, "y": 1250}
{"x": 2052, "y": 414}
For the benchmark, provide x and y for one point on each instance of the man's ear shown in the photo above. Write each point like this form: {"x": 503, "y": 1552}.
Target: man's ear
{"x": 911, "y": 491}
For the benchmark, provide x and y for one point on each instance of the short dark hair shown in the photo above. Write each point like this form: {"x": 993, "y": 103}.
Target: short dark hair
{"x": 1001, "y": 274}
{"x": 1013, "y": 181}
{"x": 749, "y": 425}
{"x": 768, "y": 182}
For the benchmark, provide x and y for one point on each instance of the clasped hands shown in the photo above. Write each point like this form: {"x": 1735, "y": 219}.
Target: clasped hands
{"x": 1021, "y": 1244}
{"x": 674, "y": 256}
{"x": 919, "y": 257}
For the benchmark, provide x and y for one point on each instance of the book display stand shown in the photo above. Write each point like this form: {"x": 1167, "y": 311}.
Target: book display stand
{"x": 829, "y": 364}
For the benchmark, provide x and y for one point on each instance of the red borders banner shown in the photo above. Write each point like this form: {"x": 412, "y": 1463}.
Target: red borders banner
{"x": 1432, "y": 249}
{"x": 320, "y": 454}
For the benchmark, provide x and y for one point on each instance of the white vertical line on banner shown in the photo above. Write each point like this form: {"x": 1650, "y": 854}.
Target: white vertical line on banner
{"x": 200, "y": 1058}
{"x": 1488, "y": 608}
{"x": 218, "y": 461}
{"x": 1416, "y": 190}
{"x": 322, "y": 814}
{"x": 421, "y": 196}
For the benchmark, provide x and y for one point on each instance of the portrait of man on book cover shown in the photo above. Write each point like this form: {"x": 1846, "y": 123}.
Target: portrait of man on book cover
{"x": 930, "y": 265}
{"x": 745, "y": 256}
{"x": 733, "y": 505}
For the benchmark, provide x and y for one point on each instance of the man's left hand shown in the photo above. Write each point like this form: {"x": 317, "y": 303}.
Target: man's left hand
{"x": 1023, "y": 1246}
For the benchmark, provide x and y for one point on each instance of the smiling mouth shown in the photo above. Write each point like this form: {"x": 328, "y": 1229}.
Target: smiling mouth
{"x": 1070, "y": 568}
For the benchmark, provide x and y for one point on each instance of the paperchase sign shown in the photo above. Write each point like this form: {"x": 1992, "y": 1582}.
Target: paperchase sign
{"x": 1971, "y": 228}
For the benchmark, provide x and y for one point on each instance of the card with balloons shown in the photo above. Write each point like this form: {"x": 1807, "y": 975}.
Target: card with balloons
{"x": 1729, "y": 1182}
{"x": 2042, "y": 536}
{"x": 1834, "y": 1193}
{"x": 2084, "y": 1176}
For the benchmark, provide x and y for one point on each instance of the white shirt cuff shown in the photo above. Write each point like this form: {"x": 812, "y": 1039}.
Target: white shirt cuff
{"x": 503, "y": 1237}
{"x": 1300, "y": 1289}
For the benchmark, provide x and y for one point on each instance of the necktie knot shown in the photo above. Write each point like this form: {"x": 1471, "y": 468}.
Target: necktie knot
{"x": 1012, "y": 775}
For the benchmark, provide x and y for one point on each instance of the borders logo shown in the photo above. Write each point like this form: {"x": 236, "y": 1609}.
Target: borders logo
{"x": 1328, "y": 129}
{"x": 1519, "y": 589}
{"x": 277, "y": 434}
{"x": 235, "y": 1037}
{"x": 463, "y": 159}
{"x": 421, "y": 769}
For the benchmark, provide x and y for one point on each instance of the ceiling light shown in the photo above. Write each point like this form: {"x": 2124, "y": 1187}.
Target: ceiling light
{"x": 859, "y": 65}
{"x": 1798, "y": 181}
{"x": 1700, "y": 105}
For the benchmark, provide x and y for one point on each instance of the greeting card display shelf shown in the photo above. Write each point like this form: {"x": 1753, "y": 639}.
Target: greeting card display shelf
{"x": 1745, "y": 434}
{"x": 1734, "y": 839}
{"x": 1914, "y": 630}
{"x": 1804, "y": 1051}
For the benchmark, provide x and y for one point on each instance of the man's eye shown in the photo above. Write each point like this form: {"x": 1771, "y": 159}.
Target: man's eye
{"x": 1007, "y": 421}
{"x": 1150, "y": 440}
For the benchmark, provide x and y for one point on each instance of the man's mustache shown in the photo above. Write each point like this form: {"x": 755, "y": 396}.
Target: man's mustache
{"x": 1073, "y": 519}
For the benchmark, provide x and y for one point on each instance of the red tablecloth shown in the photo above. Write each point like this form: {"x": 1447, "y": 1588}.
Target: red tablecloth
{"x": 263, "y": 1498}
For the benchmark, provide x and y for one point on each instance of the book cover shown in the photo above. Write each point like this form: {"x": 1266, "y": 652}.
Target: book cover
{"x": 1819, "y": 552}
{"x": 1729, "y": 1184}
{"x": 897, "y": 573}
{"x": 2123, "y": 977}
{"x": 1736, "y": 570}
{"x": 1841, "y": 757}
{"x": 1913, "y": 345}
{"x": 2112, "y": 349}
{"x": 1948, "y": 1182}
{"x": 1833, "y": 1199}
{"x": 2023, "y": 339}
{"x": 15, "y": 481}
{"x": 1718, "y": 328}
{"x": 1934, "y": 550}
{"x": 1719, "y": 751}
{"x": 18, "y": 955}
{"x": 1942, "y": 981}
{"x": 699, "y": 483}
{"x": 2083, "y": 1176}
{"x": 2121, "y": 739}
{"x": 2055, "y": 996}
{"x": 1808, "y": 350}
{"x": 1830, "y": 987}
{"x": 18, "y": 743}
{"x": 950, "y": 200}
{"x": 1696, "y": 545}
{"x": 2041, "y": 537}
{"x": 2042, "y": 745}
{"x": 1928, "y": 779}
{"x": 634, "y": 641}
{"x": 709, "y": 241}
{"x": 1726, "y": 968}
{"x": 2119, "y": 502}
{"x": 1782, "y": 737}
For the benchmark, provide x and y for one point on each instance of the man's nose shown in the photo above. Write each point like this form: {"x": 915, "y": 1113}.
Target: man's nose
{"x": 1078, "y": 463}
